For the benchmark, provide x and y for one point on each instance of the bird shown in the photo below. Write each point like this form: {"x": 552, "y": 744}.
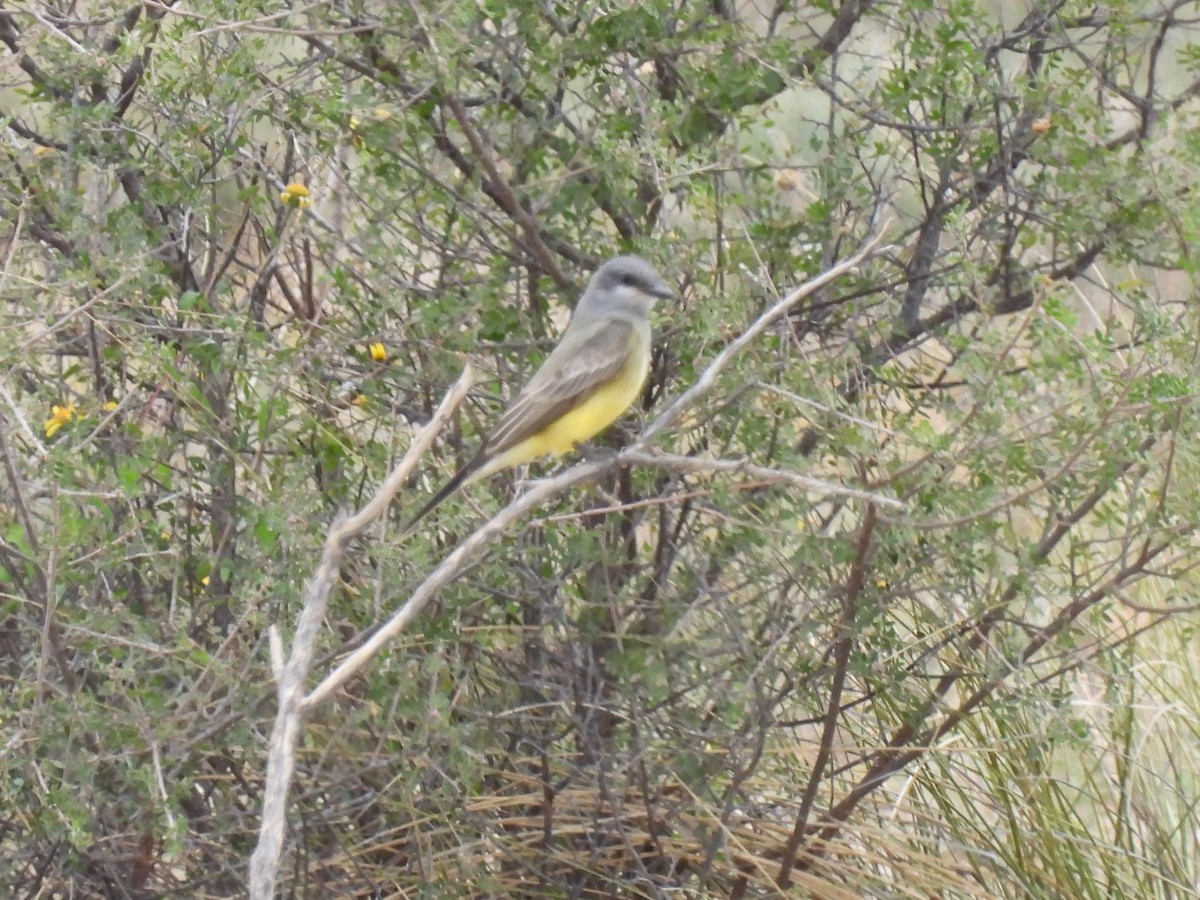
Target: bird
{"x": 592, "y": 376}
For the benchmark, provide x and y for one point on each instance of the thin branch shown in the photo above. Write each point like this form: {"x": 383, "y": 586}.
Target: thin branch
{"x": 907, "y": 743}
{"x": 11, "y": 36}
{"x": 281, "y": 758}
{"x": 453, "y": 565}
{"x": 708, "y": 380}
{"x": 507, "y": 197}
{"x": 841, "y": 665}
{"x": 692, "y": 464}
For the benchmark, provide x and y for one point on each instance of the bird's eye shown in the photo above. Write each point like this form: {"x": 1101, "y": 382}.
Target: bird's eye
{"x": 629, "y": 280}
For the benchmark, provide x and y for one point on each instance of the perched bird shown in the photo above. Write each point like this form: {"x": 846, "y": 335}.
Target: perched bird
{"x": 591, "y": 377}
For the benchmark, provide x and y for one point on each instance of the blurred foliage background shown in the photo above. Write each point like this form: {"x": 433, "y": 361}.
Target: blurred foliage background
{"x": 247, "y": 246}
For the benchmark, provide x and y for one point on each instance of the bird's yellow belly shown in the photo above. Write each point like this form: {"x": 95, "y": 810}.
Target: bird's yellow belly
{"x": 589, "y": 418}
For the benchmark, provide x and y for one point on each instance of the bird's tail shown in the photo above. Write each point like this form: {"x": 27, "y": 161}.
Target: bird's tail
{"x": 460, "y": 477}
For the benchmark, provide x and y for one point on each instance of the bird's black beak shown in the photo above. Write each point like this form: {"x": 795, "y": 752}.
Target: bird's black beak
{"x": 662, "y": 291}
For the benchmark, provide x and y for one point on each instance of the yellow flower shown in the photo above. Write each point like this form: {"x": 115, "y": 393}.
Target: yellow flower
{"x": 360, "y": 400}
{"x": 296, "y": 194}
{"x": 378, "y": 352}
{"x": 60, "y": 416}
{"x": 382, "y": 114}
{"x": 110, "y": 405}
{"x": 356, "y": 137}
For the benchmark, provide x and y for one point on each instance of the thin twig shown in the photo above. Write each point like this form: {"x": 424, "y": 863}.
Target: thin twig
{"x": 708, "y": 380}
{"x": 841, "y": 668}
{"x": 19, "y": 418}
{"x": 690, "y": 464}
{"x": 156, "y": 757}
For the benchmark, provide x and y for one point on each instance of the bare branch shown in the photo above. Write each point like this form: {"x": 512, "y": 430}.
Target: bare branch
{"x": 507, "y": 197}
{"x": 841, "y": 664}
{"x": 707, "y": 381}
{"x": 281, "y": 759}
{"x": 692, "y": 464}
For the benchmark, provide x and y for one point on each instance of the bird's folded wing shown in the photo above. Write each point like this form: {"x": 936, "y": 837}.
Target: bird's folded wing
{"x": 564, "y": 381}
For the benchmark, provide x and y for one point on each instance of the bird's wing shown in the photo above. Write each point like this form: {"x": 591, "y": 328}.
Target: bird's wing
{"x": 564, "y": 381}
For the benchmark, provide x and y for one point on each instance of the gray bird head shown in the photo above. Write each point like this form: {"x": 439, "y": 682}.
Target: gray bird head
{"x": 627, "y": 283}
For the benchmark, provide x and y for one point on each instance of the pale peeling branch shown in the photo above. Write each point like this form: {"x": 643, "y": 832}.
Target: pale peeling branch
{"x": 281, "y": 755}
{"x": 452, "y": 566}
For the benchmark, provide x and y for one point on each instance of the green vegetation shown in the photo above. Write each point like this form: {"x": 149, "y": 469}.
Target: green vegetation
{"x": 247, "y": 247}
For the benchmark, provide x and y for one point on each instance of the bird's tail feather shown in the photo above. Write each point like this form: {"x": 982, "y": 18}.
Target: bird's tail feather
{"x": 459, "y": 478}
